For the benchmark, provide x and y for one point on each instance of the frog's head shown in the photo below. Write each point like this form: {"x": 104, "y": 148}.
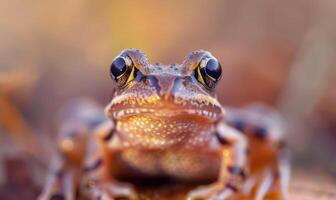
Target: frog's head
{"x": 162, "y": 100}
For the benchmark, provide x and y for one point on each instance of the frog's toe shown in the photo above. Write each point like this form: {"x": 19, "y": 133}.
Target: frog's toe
{"x": 121, "y": 191}
{"x": 111, "y": 191}
{"x": 104, "y": 196}
{"x": 211, "y": 192}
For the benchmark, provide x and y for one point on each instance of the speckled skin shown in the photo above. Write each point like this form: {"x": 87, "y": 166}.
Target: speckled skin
{"x": 166, "y": 123}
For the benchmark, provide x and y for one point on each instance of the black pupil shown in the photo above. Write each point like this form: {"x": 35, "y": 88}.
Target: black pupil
{"x": 118, "y": 67}
{"x": 213, "y": 69}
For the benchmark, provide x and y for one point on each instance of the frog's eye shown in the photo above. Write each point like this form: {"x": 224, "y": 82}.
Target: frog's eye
{"x": 208, "y": 72}
{"x": 122, "y": 70}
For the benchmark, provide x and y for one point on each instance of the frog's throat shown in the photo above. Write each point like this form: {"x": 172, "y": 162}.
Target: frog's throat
{"x": 153, "y": 131}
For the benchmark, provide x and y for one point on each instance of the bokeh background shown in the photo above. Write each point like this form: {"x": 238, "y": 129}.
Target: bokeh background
{"x": 281, "y": 53}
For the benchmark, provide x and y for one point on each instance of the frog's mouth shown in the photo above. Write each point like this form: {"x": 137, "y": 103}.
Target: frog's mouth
{"x": 209, "y": 110}
{"x": 164, "y": 123}
{"x": 202, "y": 113}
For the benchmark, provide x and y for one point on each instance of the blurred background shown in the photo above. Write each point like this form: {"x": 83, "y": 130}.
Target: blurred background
{"x": 281, "y": 53}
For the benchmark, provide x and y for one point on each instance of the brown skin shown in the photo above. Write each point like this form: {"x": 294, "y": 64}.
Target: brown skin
{"x": 166, "y": 122}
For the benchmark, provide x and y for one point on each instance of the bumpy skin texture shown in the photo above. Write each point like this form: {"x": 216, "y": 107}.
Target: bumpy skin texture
{"x": 165, "y": 122}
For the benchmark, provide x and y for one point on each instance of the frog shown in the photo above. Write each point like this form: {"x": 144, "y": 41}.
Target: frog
{"x": 165, "y": 122}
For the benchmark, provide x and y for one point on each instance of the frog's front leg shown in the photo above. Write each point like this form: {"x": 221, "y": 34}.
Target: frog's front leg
{"x": 98, "y": 181}
{"x": 233, "y": 166}
{"x": 80, "y": 168}
{"x": 268, "y": 156}
{"x": 64, "y": 175}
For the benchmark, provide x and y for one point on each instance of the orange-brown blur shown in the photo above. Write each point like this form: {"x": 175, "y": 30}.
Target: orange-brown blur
{"x": 277, "y": 52}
